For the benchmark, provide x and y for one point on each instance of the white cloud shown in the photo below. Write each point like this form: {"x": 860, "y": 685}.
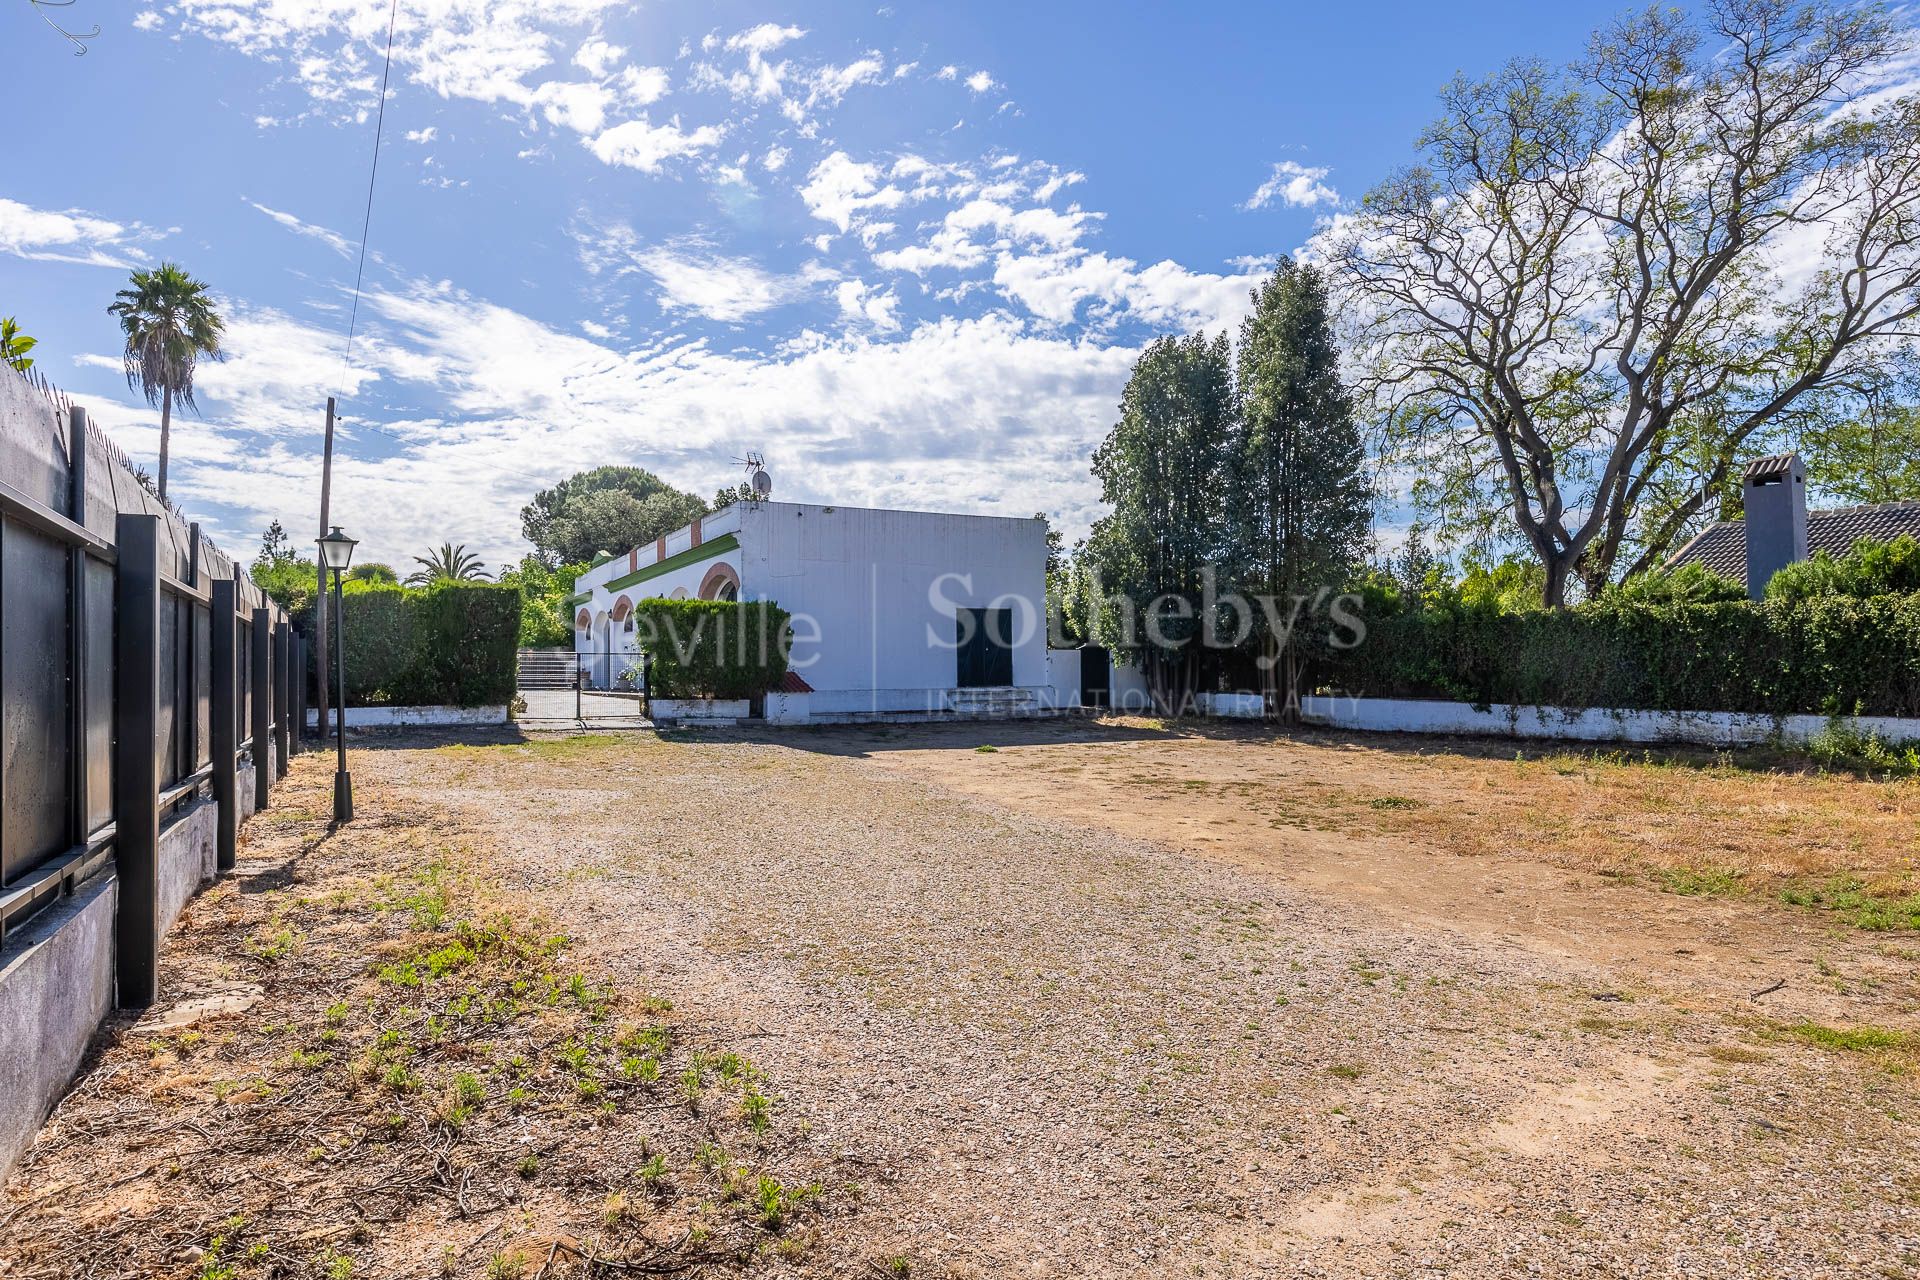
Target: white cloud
{"x": 1297, "y": 185}
{"x": 775, "y": 159}
{"x": 482, "y": 50}
{"x": 423, "y": 136}
{"x": 965, "y": 415}
{"x": 980, "y": 82}
{"x": 948, "y": 72}
{"x": 864, "y": 303}
{"x": 691, "y": 277}
{"x": 839, "y": 188}
{"x": 642, "y": 86}
{"x": 764, "y": 39}
{"x": 332, "y": 239}
{"x": 640, "y": 145}
{"x": 577, "y": 105}
{"x": 689, "y": 274}
{"x": 147, "y": 20}
{"x": 67, "y": 236}
{"x": 597, "y": 57}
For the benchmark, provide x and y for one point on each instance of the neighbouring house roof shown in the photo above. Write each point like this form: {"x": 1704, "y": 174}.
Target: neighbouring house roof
{"x": 790, "y": 682}
{"x": 1723, "y": 547}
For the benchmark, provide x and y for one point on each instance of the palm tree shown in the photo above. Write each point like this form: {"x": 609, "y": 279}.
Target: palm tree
{"x": 170, "y": 323}
{"x": 448, "y": 564}
{"x": 373, "y": 571}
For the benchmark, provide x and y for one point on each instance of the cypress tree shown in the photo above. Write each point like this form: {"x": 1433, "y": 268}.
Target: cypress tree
{"x": 1302, "y": 507}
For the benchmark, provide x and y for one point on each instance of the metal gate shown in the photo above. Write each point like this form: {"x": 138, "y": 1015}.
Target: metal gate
{"x": 1096, "y": 677}
{"x": 587, "y": 688}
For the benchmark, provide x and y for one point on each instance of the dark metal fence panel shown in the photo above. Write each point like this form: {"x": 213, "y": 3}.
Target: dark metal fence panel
{"x": 202, "y": 713}
{"x": 166, "y": 728}
{"x": 33, "y": 681}
{"x": 108, "y": 673}
{"x": 243, "y": 664}
{"x": 99, "y": 683}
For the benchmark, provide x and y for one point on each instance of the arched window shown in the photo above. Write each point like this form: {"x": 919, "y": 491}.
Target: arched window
{"x": 721, "y": 583}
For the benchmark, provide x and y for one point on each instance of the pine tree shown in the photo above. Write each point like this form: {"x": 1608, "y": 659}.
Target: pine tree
{"x": 1301, "y": 503}
{"x": 275, "y": 546}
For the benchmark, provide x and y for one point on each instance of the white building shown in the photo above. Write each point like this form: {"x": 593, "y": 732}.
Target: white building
{"x": 895, "y": 613}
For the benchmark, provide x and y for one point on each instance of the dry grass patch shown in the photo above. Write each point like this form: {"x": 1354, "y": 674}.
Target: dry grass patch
{"x": 416, "y": 1082}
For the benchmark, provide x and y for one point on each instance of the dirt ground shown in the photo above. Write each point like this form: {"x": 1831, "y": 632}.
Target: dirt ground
{"x": 1109, "y": 1000}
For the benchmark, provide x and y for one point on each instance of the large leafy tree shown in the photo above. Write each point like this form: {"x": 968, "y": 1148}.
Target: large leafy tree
{"x": 447, "y": 563}
{"x": 1164, "y": 469}
{"x": 1604, "y": 286}
{"x": 169, "y": 322}
{"x": 286, "y": 577}
{"x": 545, "y": 619}
{"x": 1871, "y": 452}
{"x": 606, "y": 509}
{"x": 1301, "y": 506}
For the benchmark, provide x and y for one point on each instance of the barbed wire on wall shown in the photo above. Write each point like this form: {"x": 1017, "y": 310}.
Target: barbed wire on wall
{"x": 79, "y": 39}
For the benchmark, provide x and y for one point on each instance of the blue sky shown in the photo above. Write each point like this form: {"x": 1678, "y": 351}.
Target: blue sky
{"x": 907, "y": 252}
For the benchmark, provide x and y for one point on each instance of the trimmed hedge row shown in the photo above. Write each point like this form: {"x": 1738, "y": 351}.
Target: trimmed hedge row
{"x": 451, "y": 644}
{"x": 1824, "y": 656}
{"x": 712, "y": 648}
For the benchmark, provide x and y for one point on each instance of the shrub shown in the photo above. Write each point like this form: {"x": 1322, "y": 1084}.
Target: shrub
{"x": 713, "y": 648}
{"x": 1826, "y": 655}
{"x": 1870, "y": 568}
{"x": 465, "y": 634}
{"x": 448, "y": 644}
{"x": 1691, "y": 583}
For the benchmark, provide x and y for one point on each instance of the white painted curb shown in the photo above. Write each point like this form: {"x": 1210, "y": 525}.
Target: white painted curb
{"x": 1592, "y": 724}
{"x": 421, "y": 717}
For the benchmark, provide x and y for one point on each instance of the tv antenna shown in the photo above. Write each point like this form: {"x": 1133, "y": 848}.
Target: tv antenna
{"x": 759, "y": 483}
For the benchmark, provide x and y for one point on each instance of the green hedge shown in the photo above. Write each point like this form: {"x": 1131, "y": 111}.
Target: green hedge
{"x": 712, "y": 648}
{"x": 451, "y": 644}
{"x": 1825, "y": 655}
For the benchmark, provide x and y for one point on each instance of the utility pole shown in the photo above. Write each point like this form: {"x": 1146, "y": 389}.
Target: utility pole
{"x": 320, "y": 595}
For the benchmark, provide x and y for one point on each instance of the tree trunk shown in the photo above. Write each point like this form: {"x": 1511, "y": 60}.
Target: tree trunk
{"x": 1555, "y": 594}
{"x": 166, "y": 428}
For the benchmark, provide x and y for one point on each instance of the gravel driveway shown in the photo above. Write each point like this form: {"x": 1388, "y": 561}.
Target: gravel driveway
{"x": 1044, "y": 1049}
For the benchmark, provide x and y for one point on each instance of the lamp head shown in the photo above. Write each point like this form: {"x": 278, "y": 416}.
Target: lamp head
{"x": 336, "y": 550}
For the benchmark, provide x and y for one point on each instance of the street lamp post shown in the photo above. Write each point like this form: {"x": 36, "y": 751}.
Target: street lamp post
{"x": 336, "y": 553}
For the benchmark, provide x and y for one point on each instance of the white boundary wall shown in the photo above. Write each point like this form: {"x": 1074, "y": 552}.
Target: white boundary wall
{"x": 1596, "y": 724}
{"x": 407, "y": 717}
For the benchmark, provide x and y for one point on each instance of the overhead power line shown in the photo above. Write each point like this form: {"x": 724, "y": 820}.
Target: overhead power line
{"x": 366, "y": 222}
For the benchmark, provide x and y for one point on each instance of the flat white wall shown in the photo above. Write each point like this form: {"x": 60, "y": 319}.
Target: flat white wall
{"x": 1127, "y": 687}
{"x": 1063, "y": 678}
{"x": 1702, "y": 728}
{"x": 874, "y": 595}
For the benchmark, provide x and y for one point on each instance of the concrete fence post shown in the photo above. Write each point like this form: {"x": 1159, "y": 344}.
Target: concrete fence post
{"x": 262, "y": 673}
{"x": 136, "y": 765}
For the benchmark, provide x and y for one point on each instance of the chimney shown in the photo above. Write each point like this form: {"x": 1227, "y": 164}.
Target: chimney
{"x": 1775, "y": 493}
